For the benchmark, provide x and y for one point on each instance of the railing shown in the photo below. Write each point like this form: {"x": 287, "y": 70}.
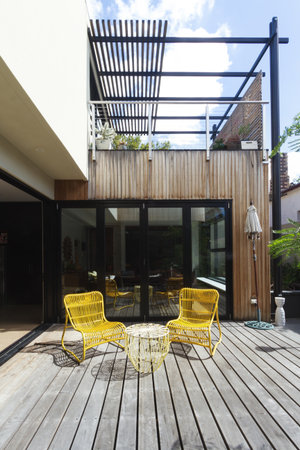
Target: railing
{"x": 95, "y": 121}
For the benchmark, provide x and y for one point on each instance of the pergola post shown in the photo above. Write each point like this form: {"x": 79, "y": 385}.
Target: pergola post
{"x": 275, "y": 133}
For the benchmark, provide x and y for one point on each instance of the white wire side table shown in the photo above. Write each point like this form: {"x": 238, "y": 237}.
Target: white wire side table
{"x": 147, "y": 345}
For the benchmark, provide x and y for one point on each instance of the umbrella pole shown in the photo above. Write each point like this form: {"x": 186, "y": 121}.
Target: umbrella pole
{"x": 255, "y": 278}
{"x": 253, "y": 229}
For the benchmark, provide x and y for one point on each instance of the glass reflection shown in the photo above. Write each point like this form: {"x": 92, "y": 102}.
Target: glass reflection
{"x": 78, "y": 244}
{"x": 122, "y": 274}
{"x": 165, "y": 260}
{"x": 208, "y": 251}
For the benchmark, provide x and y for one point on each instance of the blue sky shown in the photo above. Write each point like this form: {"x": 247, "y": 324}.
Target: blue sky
{"x": 227, "y": 18}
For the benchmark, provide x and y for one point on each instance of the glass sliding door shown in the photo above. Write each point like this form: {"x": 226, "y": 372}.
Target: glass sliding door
{"x": 122, "y": 267}
{"x": 209, "y": 251}
{"x": 139, "y": 257}
{"x": 165, "y": 260}
{"x": 78, "y": 250}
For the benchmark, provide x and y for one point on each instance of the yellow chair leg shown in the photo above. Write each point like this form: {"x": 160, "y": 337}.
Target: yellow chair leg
{"x": 70, "y": 351}
{"x": 220, "y": 335}
{"x": 122, "y": 307}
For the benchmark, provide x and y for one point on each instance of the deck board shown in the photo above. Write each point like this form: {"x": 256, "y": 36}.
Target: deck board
{"x": 278, "y": 358}
{"x": 107, "y": 427}
{"x": 263, "y": 408}
{"x": 128, "y": 411}
{"x": 263, "y": 358}
{"x": 22, "y": 404}
{"x": 209, "y": 431}
{"x": 50, "y": 423}
{"x": 32, "y": 421}
{"x": 67, "y": 428}
{"x": 91, "y": 416}
{"x": 188, "y": 427}
{"x": 223, "y": 417}
{"x": 246, "y": 396}
{"x": 147, "y": 427}
{"x": 167, "y": 424}
{"x": 236, "y": 397}
{"x": 253, "y": 369}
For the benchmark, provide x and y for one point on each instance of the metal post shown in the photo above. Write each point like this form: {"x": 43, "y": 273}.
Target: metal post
{"x": 215, "y": 131}
{"x": 150, "y": 132}
{"x": 264, "y": 147}
{"x": 93, "y": 133}
{"x": 275, "y": 133}
{"x": 207, "y": 133}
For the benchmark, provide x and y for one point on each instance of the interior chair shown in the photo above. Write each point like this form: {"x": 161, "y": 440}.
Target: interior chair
{"x": 174, "y": 284}
{"x": 137, "y": 293}
{"x": 111, "y": 289}
{"x": 85, "y": 312}
{"x": 198, "y": 310}
{"x": 164, "y": 295}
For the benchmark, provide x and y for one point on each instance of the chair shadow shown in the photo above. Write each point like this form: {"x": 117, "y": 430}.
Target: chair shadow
{"x": 114, "y": 371}
{"x": 60, "y": 357}
{"x": 182, "y": 350}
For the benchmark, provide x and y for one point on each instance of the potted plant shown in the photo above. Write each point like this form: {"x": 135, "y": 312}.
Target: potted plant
{"x": 244, "y": 132}
{"x": 219, "y": 144}
{"x": 106, "y": 136}
{"x": 122, "y": 144}
{"x": 233, "y": 142}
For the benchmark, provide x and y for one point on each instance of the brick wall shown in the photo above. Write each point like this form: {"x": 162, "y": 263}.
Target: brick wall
{"x": 245, "y": 115}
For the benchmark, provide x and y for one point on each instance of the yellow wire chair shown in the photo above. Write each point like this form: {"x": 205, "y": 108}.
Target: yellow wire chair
{"x": 111, "y": 290}
{"x": 198, "y": 310}
{"x": 86, "y": 314}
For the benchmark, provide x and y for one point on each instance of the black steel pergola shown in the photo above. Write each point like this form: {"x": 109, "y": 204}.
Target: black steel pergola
{"x": 126, "y": 73}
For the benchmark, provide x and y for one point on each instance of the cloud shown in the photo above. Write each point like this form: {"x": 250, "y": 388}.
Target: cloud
{"x": 176, "y": 11}
{"x": 192, "y": 58}
{"x": 95, "y": 8}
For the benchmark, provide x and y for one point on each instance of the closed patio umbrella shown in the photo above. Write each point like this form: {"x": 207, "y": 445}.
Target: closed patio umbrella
{"x": 253, "y": 229}
{"x": 252, "y": 225}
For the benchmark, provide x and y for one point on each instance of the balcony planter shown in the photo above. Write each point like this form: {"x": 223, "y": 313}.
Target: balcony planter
{"x": 105, "y": 137}
{"x": 103, "y": 144}
{"x": 249, "y": 145}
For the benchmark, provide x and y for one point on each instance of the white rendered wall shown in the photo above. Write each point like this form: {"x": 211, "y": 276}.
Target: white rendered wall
{"x": 16, "y": 164}
{"x": 290, "y": 206}
{"x": 44, "y": 43}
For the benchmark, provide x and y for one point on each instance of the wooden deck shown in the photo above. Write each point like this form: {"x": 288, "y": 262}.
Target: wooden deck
{"x": 247, "y": 396}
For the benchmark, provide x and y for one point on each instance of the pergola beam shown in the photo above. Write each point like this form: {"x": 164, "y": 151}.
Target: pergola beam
{"x": 110, "y": 73}
{"x": 255, "y": 64}
{"x": 168, "y": 132}
{"x": 166, "y": 117}
{"x": 187, "y": 40}
{"x": 161, "y": 100}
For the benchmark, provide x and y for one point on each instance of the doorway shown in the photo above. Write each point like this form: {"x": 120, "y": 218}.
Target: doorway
{"x": 140, "y": 254}
{"x": 21, "y": 250}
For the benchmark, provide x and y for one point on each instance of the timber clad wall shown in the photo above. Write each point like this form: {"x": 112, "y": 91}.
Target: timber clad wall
{"x": 71, "y": 190}
{"x": 181, "y": 174}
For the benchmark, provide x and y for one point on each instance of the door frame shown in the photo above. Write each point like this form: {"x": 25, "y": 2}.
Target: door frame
{"x": 143, "y": 206}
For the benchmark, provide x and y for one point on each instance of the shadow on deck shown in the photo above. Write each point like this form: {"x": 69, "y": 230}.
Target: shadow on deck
{"x": 247, "y": 396}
